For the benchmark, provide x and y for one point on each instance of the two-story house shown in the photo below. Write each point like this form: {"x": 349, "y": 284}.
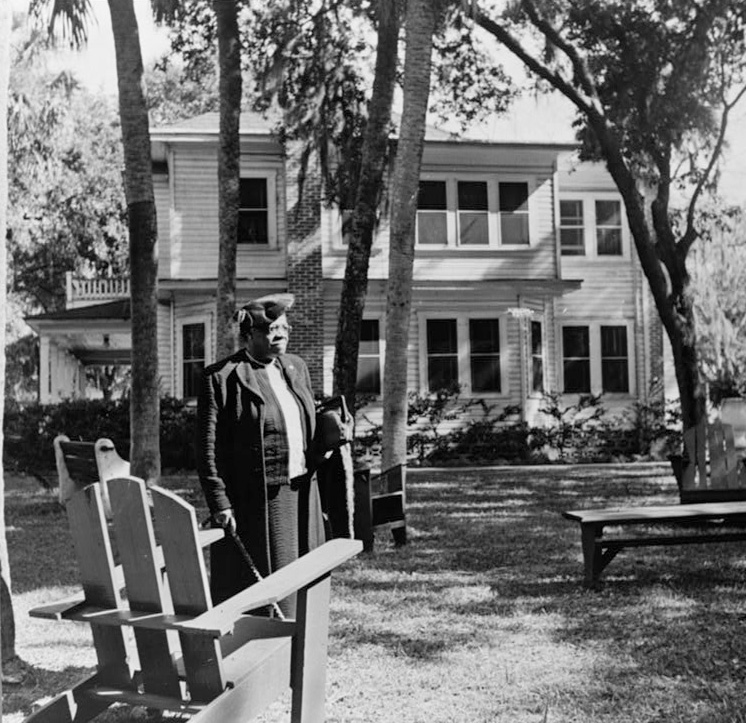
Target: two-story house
{"x": 525, "y": 277}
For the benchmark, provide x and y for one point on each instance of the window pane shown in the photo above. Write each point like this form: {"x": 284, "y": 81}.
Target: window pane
{"x": 369, "y": 337}
{"x": 609, "y": 241}
{"x": 609, "y": 228}
{"x": 537, "y": 357}
{"x": 608, "y": 213}
{"x": 576, "y": 359}
{"x": 253, "y": 193}
{"x": 484, "y": 336}
{"x": 432, "y": 195}
{"x": 369, "y": 375}
{"x": 571, "y": 213}
{"x": 575, "y": 341}
{"x": 192, "y": 376}
{"x": 473, "y": 229}
{"x": 432, "y": 228}
{"x": 572, "y": 242}
{"x": 615, "y": 375}
{"x": 472, "y": 195}
{"x": 485, "y": 373}
{"x": 614, "y": 359}
{"x": 537, "y": 374}
{"x": 536, "y": 338}
{"x": 441, "y": 336}
{"x": 253, "y": 227}
{"x": 514, "y": 197}
{"x": 442, "y": 371}
{"x": 193, "y": 341}
{"x": 577, "y": 375}
{"x": 614, "y": 341}
{"x": 514, "y": 229}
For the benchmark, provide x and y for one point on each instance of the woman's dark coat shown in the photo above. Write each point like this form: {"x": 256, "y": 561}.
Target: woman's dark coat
{"x": 230, "y": 463}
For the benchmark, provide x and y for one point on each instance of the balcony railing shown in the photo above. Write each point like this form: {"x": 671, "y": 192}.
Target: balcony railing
{"x": 81, "y": 292}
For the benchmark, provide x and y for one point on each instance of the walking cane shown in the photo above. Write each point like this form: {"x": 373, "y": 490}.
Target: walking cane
{"x": 247, "y": 559}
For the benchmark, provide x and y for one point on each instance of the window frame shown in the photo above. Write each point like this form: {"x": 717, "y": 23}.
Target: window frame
{"x": 463, "y": 346}
{"x": 206, "y": 321}
{"x": 594, "y": 343}
{"x": 590, "y": 228}
{"x": 532, "y": 356}
{"x": 453, "y": 212}
{"x": 270, "y": 176}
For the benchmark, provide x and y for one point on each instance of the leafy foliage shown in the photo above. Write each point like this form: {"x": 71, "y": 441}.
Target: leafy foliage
{"x": 67, "y": 209}
{"x": 30, "y": 431}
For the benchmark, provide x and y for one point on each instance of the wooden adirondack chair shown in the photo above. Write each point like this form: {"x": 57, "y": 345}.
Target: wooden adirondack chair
{"x": 710, "y": 469}
{"x": 217, "y": 664}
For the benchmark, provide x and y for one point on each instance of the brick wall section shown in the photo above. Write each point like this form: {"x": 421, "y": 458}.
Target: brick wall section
{"x": 304, "y": 267}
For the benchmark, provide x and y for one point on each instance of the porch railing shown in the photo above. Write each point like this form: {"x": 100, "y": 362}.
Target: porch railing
{"x": 80, "y": 292}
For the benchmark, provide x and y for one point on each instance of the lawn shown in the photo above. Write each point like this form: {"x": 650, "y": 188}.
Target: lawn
{"x": 482, "y": 618}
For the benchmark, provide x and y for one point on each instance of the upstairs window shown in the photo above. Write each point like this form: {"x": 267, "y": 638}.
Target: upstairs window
{"x": 537, "y": 358}
{"x": 572, "y": 231}
{"x": 473, "y": 214}
{"x": 193, "y": 358}
{"x": 576, "y": 359}
{"x": 614, "y": 359}
{"x": 432, "y": 214}
{"x": 609, "y": 228}
{"x": 514, "y": 214}
{"x": 442, "y": 354}
{"x": 253, "y": 212}
{"x": 369, "y": 358}
{"x": 484, "y": 345}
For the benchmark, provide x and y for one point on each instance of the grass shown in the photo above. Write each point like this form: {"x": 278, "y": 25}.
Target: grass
{"x": 482, "y": 618}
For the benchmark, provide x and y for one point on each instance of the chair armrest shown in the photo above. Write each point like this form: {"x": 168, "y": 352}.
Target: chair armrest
{"x": 298, "y": 574}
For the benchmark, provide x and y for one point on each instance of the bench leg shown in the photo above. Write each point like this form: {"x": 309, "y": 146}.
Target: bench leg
{"x": 72, "y": 706}
{"x": 590, "y": 535}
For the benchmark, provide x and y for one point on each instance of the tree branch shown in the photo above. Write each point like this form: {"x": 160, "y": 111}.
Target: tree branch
{"x": 535, "y": 65}
{"x": 690, "y": 235}
{"x": 553, "y": 36}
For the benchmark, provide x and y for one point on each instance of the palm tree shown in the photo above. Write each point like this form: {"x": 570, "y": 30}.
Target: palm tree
{"x": 145, "y": 453}
{"x": 7, "y": 628}
{"x": 229, "y": 167}
{"x": 370, "y": 183}
{"x": 420, "y": 25}
{"x": 71, "y": 15}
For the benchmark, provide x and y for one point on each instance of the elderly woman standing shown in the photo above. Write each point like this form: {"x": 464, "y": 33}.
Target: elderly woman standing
{"x": 255, "y": 456}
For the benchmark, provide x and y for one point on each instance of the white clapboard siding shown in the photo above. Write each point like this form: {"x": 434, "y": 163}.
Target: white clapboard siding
{"x": 194, "y": 218}
{"x": 607, "y": 292}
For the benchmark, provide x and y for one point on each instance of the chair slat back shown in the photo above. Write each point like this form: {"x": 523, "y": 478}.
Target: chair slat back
{"x": 176, "y": 526}
{"x": 133, "y": 530}
{"x": 85, "y": 513}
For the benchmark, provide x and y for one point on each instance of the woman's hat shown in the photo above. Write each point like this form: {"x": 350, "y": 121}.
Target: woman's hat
{"x": 263, "y": 311}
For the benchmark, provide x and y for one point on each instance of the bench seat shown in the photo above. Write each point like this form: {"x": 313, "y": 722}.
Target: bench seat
{"x": 599, "y": 551}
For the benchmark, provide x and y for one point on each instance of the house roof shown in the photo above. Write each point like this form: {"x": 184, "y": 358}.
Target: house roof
{"x": 119, "y": 309}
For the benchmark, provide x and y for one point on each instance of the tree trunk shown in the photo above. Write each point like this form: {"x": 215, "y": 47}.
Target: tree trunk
{"x": 145, "y": 455}
{"x": 375, "y": 143}
{"x": 420, "y": 25}
{"x": 229, "y": 168}
{"x": 7, "y": 621}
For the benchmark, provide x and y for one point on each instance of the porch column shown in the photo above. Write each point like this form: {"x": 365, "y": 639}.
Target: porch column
{"x": 45, "y": 382}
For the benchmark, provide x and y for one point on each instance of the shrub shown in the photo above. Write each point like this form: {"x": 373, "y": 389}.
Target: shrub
{"x": 30, "y": 431}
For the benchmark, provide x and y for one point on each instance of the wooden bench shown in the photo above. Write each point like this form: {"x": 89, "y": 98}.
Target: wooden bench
{"x": 82, "y": 463}
{"x": 380, "y": 504}
{"x": 214, "y": 663}
{"x": 599, "y": 551}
